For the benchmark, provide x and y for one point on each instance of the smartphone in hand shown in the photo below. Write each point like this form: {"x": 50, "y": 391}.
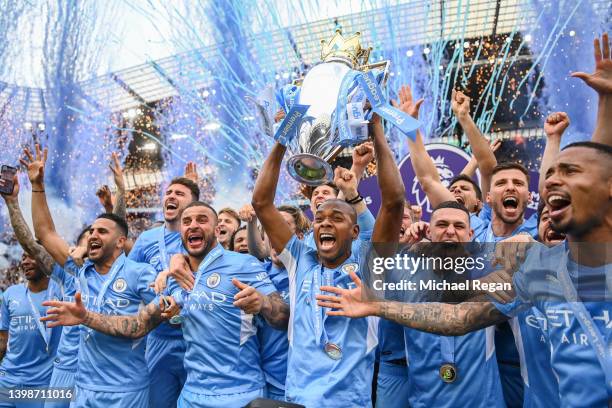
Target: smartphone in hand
{"x": 7, "y": 184}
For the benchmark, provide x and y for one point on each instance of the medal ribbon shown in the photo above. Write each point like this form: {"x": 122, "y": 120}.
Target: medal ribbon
{"x": 319, "y": 312}
{"x": 603, "y": 352}
{"x": 45, "y": 332}
{"x": 215, "y": 253}
{"x": 161, "y": 244}
{"x": 447, "y": 349}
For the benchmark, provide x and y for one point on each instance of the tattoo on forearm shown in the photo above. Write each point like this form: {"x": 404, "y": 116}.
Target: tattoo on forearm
{"x": 442, "y": 318}
{"x": 26, "y": 239}
{"x": 132, "y": 327}
{"x": 120, "y": 206}
{"x": 277, "y": 312}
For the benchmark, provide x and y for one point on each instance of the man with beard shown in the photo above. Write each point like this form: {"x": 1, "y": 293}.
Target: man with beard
{"x": 229, "y": 222}
{"x": 444, "y": 371}
{"x": 225, "y": 369}
{"x": 68, "y": 262}
{"x": 568, "y": 283}
{"x": 165, "y": 349}
{"x": 27, "y": 346}
{"x": 462, "y": 188}
{"x": 111, "y": 371}
{"x": 331, "y": 365}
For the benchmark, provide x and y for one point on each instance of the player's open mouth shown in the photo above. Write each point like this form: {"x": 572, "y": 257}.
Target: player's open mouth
{"x": 171, "y": 206}
{"x": 195, "y": 240}
{"x": 459, "y": 199}
{"x": 510, "y": 203}
{"x": 554, "y": 236}
{"x": 557, "y": 203}
{"x": 222, "y": 232}
{"x": 326, "y": 240}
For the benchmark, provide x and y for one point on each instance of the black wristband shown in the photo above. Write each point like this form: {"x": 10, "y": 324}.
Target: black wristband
{"x": 355, "y": 200}
{"x": 38, "y": 191}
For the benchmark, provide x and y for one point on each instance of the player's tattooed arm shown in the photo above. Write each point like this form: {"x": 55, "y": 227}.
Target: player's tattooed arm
{"x": 438, "y": 318}
{"x": 3, "y": 343}
{"x": 133, "y": 327}
{"x": 442, "y": 318}
{"x": 23, "y": 233}
{"x": 276, "y": 311}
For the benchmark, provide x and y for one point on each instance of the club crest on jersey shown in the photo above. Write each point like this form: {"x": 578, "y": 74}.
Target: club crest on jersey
{"x": 351, "y": 267}
{"x": 213, "y": 280}
{"x": 120, "y": 285}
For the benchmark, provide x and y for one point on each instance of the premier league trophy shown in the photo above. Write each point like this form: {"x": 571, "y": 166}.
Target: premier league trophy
{"x": 326, "y": 109}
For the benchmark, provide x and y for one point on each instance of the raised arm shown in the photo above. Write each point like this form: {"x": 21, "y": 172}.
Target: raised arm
{"x": 601, "y": 82}
{"x": 133, "y": 327}
{"x": 120, "y": 207}
{"x": 263, "y": 200}
{"x": 256, "y": 244}
{"x": 44, "y": 229}
{"x": 438, "y": 318}
{"x": 388, "y": 222}
{"x": 485, "y": 159}
{"x": 555, "y": 125}
{"x": 23, "y": 233}
{"x": 423, "y": 165}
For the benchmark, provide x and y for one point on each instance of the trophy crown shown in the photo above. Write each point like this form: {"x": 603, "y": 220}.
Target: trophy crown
{"x": 345, "y": 49}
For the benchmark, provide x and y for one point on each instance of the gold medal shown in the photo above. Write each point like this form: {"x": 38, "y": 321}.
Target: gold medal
{"x": 448, "y": 373}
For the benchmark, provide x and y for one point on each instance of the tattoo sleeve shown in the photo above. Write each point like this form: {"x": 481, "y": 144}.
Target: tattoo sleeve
{"x": 3, "y": 343}
{"x": 132, "y": 327}
{"x": 276, "y": 311}
{"x": 120, "y": 206}
{"x": 443, "y": 318}
{"x": 26, "y": 239}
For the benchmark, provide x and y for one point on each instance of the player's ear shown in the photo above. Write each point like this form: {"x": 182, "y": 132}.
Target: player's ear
{"x": 355, "y": 232}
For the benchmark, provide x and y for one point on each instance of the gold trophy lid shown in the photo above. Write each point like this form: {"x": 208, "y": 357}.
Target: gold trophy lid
{"x": 348, "y": 50}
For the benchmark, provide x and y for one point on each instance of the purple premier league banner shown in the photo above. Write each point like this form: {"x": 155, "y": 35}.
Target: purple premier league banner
{"x": 449, "y": 161}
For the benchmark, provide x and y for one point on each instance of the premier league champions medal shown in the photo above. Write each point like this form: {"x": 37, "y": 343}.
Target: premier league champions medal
{"x": 333, "y": 351}
{"x": 448, "y": 373}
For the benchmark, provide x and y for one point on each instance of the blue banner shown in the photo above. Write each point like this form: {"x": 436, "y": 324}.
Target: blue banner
{"x": 290, "y": 125}
{"x": 404, "y": 122}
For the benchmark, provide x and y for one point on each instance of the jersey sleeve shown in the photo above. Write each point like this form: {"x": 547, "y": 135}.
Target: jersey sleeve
{"x": 296, "y": 252}
{"x": 145, "y": 279}
{"x": 366, "y": 222}
{"x": 253, "y": 274}
{"x": 485, "y": 213}
{"x": 136, "y": 253}
{"x": 4, "y": 312}
{"x": 71, "y": 267}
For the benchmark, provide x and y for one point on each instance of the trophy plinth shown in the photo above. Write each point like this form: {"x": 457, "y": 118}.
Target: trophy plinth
{"x": 309, "y": 169}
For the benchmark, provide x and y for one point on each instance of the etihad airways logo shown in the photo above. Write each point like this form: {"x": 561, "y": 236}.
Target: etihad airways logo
{"x": 563, "y": 319}
{"x": 201, "y": 300}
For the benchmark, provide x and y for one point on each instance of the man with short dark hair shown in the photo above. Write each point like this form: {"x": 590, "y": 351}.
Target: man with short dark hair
{"x": 443, "y": 371}
{"x": 225, "y": 369}
{"x": 331, "y": 365}
{"x": 165, "y": 349}
{"x": 568, "y": 283}
{"x": 111, "y": 371}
